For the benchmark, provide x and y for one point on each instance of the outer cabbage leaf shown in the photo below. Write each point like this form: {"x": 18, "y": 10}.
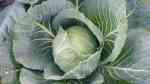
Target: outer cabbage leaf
{"x": 29, "y": 42}
{"x": 35, "y": 77}
{"x": 112, "y": 23}
{"x": 95, "y": 78}
{"x": 108, "y": 79}
{"x": 8, "y": 16}
{"x": 140, "y": 18}
{"x": 133, "y": 66}
{"x": 31, "y": 77}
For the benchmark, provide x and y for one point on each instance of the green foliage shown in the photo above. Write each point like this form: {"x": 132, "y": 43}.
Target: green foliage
{"x": 75, "y": 42}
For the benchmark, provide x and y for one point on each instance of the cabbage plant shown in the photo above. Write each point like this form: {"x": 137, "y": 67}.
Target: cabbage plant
{"x": 74, "y": 42}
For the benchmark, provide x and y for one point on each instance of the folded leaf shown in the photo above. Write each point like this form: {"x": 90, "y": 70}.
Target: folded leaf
{"x": 112, "y": 23}
{"x": 32, "y": 77}
{"x": 31, "y": 44}
{"x": 133, "y": 66}
{"x": 35, "y": 77}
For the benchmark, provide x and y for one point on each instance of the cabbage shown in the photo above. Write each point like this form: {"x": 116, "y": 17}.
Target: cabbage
{"x": 74, "y": 42}
{"x": 73, "y": 46}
